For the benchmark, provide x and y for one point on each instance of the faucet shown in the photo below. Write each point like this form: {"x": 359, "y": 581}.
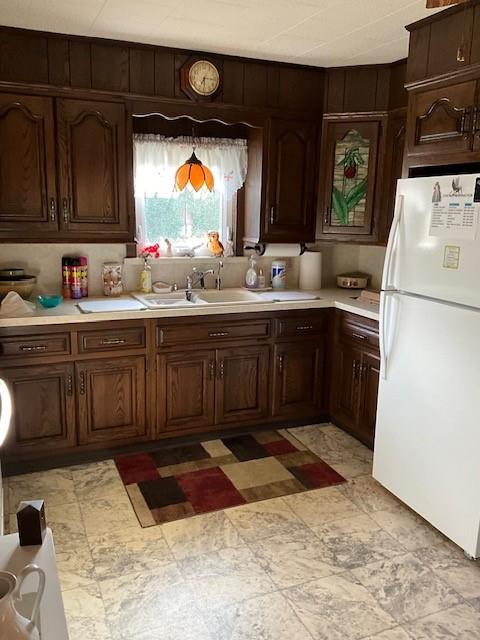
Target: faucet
{"x": 218, "y": 279}
{"x": 197, "y": 276}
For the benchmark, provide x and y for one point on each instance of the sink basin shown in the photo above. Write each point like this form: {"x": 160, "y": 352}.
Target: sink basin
{"x": 165, "y": 300}
{"x": 227, "y": 296}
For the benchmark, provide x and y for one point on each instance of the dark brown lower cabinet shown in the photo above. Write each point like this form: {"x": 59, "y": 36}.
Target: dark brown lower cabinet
{"x": 356, "y": 375}
{"x": 44, "y": 407}
{"x": 185, "y": 390}
{"x": 111, "y": 396}
{"x": 298, "y": 379}
{"x": 241, "y": 391}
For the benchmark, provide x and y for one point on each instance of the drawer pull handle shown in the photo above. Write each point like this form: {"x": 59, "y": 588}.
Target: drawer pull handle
{"x": 304, "y": 327}
{"x": 359, "y": 336}
{"x": 211, "y": 369}
{"x": 82, "y": 383}
{"x": 36, "y": 347}
{"x": 69, "y": 386}
{"x": 272, "y": 215}
{"x": 112, "y": 341}
{"x": 217, "y": 334}
{"x": 65, "y": 210}
{"x": 220, "y": 370}
{"x": 280, "y": 364}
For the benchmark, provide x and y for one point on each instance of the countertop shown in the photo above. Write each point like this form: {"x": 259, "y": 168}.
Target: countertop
{"x": 68, "y": 312}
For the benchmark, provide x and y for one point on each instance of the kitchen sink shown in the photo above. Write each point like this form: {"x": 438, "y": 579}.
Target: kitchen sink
{"x": 166, "y": 300}
{"x": 226, "y": 296}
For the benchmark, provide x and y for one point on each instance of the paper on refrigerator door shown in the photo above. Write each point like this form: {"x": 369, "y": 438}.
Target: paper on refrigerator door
{"x": 455, "y": 208}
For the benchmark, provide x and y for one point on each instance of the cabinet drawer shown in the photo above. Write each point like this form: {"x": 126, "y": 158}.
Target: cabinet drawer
{"x": 35, "y": 345}
{"x": 359, "y": 334}
{"x": 212, "y": 332}
{"x": 111, "y": 339}
{"x": 297, "y": 327}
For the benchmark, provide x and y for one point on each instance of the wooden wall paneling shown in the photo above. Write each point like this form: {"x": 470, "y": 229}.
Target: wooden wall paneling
{"x": 334, "y": 90}
{"x": 360, "y": 89}
{"x": 58, "y": 62}
{"x": 180, "y": 59}
{"x": 398, "y": 96}
{"x": 164, "y": 73}
{"x": 80, "y": 64}
{"x": 233, "y": 81}
{"x": 273, "y": 86}
{"x": 142, "y": 71}
{"x": 446, "y": 35}
{"x": 417, "y": 60}
{"x": 255, "y": 84}
{"x": 382, "y": 90}
{"x": 301, "y": 88}
{"x": 110, "y": 67}
{"x": 23, "y": 57}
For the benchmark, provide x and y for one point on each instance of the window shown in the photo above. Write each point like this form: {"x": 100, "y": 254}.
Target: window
{"x": 186, "y": 217}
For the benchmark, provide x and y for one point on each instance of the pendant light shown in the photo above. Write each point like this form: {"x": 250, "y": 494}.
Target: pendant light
{"x": 193, "y": 172}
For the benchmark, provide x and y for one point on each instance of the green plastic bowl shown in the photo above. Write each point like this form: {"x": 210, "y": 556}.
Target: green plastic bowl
{"x": 50, "y": 301}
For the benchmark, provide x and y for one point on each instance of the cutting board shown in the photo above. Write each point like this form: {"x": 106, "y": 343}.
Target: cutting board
{"x": 109, "y": 305}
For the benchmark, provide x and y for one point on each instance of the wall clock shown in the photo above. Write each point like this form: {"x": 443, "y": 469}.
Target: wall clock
{"x": 200, "y": 79}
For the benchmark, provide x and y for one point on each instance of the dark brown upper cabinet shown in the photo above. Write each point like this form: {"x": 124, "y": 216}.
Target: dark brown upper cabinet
{"x": 290, "y": 199}
{"x": 348, "y": 176}
{"x": 28, "y": 186}
{"x": 92, "y": 168}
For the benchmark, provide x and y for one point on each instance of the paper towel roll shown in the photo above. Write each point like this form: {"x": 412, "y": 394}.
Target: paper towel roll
{"x": 310, "y": 276}
{"x": 282, "y": 250}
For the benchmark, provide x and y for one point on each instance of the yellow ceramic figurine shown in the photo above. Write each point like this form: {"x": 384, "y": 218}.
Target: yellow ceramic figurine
{"x": 214, "y": 245}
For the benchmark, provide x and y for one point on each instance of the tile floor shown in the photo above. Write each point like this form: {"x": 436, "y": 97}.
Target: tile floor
{"x": 343, "y": 563}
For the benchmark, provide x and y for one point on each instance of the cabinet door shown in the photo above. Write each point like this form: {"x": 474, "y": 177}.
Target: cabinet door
{"x": 28, "y": 191}
{"x": 298, "y": 379}
{"x": 290, "y": 215}
{"x": 370, "y": 376}
{"x": 185, "y": 390}
{"x": 92, "y": 165}
{"x": 111, "y": 400}
{"x": 346, "y": 385}
{"x": 440, "y": 120}
{"x": 348, "y": 177}
{"x": 44, "y": 407}
{"x": 241, "y": 391}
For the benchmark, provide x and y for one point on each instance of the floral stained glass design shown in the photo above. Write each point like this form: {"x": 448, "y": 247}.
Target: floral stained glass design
{"x": 350, "y": 180}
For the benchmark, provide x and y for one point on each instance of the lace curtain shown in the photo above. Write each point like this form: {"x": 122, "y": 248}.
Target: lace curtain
{"x": 157, "y": 158}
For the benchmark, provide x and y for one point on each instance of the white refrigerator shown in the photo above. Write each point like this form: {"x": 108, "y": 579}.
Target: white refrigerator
{"x": 427, "y": 443}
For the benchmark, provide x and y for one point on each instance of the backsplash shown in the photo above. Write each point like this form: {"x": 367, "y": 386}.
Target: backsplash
{"x": 341, "y": 258}
{"x": 44, "y": 261}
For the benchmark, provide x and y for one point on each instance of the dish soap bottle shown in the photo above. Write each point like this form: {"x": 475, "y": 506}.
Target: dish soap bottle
{"x": 251, "y": 277}
{"x": 146, "y": 277}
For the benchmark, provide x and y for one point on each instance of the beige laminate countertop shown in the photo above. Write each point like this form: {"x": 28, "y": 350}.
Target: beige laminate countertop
{"x": 67, "y": 312}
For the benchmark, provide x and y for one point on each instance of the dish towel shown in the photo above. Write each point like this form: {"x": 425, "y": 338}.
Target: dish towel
{"x": 13, "y": 306}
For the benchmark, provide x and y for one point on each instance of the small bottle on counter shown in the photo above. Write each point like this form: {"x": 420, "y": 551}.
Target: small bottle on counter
{"x": 66, "y": 275}
{"x": 76, "y": 279}
{"x": 261, "y": 279}
{"x": 146, "y": 277}
{"x": 84, "y": 276}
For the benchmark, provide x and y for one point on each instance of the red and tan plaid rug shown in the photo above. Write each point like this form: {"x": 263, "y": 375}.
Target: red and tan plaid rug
{"x": 176, "y": 483}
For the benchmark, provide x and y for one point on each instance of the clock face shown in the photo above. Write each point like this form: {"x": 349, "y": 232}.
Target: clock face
{"x": 204, "y": 78}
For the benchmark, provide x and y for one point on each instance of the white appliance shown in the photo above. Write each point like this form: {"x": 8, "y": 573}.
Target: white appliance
{"x": 427, "y": 443}
{"x": 5, "y": 417}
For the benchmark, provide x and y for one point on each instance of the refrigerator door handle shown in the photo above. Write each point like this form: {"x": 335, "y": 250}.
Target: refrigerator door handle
{"x": 392, "y": 239}
{"x": 388, "y": 305}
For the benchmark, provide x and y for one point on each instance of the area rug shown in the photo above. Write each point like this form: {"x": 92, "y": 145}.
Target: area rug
{"x": 176, "y": 483}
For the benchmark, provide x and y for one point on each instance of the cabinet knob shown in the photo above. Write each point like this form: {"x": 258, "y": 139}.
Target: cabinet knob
{"x": 220, "y": 370}
{"x": 53, "y": 209}
{"x": 82, "y": 383}
{"x": 272, "y": 215}
{"x": 211, "y": 369}
{"x": 69, "y": 385}
{"x": 326, "y": 218}
{"x": 280, "y": 364}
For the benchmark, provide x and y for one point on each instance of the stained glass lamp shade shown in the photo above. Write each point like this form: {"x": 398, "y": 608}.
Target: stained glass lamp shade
{"x": 195, "y": 173}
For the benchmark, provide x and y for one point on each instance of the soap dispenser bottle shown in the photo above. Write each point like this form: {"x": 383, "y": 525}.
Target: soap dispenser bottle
{"x": 251, "y": 277}
{"x": 146, "y": 277}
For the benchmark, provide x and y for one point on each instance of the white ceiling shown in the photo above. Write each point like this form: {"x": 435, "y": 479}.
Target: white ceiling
{"x": 313, "y": 32}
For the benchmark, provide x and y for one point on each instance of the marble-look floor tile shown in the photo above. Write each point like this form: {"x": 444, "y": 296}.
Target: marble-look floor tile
{"x": 349, "y": 463}
{"x": 225, "y": 577}
{"x": 201, "y": 534}
{"x": 449, "y": 562}
{"x": 397, "y": 633}
{"x": 322, "y": 505}
{"x": 107, "y": 514}
{"x": 97, "y": 480}
{"x": 293, "y": 558}
{"x": 406, "y": 588}
{"x": 267, "y": 618}
{"x": 54, "y": 486}
{"x": 75, "y": 567}
{"x": 263, "y": 519}
{"x": 368, "y": 494}
{"x": 182, "y": 628}
{"x": 411, "y": 531}
{"x": 324, "y": 437}
{"x": 85, "y": 613}
{"x": 338, "y": 608}
{"x": 355, "y": 542}
{"x": 147, "y": 600}
{"x": 129, "y": 550}
{"x": 458, "y": 623}
{"x": 475, "y": 603}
